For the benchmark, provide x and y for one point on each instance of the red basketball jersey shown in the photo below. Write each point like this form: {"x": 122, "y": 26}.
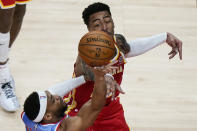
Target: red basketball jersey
{"x": 6, "y": 4}
{"x": 82, "y": 94}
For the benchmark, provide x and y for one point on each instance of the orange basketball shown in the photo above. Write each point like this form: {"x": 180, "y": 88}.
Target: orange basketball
{"x": 96, "y": 48}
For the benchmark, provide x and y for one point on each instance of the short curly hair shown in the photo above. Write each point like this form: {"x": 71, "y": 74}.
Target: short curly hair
{"x": 32, "y": 106}
{"x": 94, "y": 8}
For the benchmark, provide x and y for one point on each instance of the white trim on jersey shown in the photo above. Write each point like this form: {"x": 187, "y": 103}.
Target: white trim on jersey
{"x": 117, "y": 53}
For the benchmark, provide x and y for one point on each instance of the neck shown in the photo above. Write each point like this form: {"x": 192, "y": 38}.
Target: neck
{"x": 54, "y": 120}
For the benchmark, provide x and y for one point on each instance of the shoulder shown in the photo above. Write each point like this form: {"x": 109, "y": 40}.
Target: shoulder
{"x": 120, "y": 37}
{"x": 122, "y": 43}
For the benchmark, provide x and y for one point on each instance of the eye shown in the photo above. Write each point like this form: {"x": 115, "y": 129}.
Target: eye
{"x": 107, "y": 20}
{"x": 97, "y": 25}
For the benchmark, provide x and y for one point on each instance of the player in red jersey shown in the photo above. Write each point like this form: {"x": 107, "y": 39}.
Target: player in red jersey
{"x": 11, "y": 18}
{"x": 97, "y": 16}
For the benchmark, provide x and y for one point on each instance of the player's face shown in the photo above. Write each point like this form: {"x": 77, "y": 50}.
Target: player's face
{"x": 101, "y": 21}
{"x": 55, "y": 105}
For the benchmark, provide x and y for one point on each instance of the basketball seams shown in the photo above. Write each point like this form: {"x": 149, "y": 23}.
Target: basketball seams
{"x": 84, "y": 53}
{"x": 97, "y": 35}
{"x": 93, "y": 33}
{"x": 96, "y": 45}
{"x": 96, "y": 48}
{"x": 94, "y": 57}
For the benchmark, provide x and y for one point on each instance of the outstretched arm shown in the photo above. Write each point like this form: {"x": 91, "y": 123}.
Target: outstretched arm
{"x": 65, "y": 87}
{"x": 142, "y": 45}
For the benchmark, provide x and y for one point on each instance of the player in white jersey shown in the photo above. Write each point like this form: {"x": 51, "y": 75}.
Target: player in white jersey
{"x": 44, "y": 111}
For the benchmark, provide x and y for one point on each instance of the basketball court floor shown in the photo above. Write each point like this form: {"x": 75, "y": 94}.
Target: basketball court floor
{"x": 161, "y": 94}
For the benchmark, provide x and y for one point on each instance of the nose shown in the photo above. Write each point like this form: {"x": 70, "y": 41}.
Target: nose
{"x": 104, "y": 27}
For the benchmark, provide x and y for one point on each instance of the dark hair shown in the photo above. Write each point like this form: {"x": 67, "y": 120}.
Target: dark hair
{"x": 94, "y": 8}
{"x": 32, "y": 106}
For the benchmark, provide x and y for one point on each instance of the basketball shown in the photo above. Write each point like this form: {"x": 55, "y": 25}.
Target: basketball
{"x": 96, "y": 48}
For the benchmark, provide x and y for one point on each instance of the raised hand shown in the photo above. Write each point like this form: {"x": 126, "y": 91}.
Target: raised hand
{"x": 112, "y": 86}
{"x": 176, "y": 45}
{"x": 103, "y": 69}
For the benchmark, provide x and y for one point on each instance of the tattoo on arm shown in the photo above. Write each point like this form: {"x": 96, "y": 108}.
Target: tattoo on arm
{"x": 122, "y": 43}
{"x": 89, "y": 75}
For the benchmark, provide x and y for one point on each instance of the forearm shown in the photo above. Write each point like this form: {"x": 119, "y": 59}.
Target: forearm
{"x": 65, "y": 87}
{"x": 142, "y": 45}
{"x": 90, "y": 110}
{"x": 82, "y": 69}
{"x": 99, "y": 93}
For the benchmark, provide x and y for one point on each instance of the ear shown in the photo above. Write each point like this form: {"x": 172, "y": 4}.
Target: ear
{"x": 48, "y": 116}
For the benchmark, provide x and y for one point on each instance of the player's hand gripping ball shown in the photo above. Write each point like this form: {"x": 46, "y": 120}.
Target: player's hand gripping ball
{"x": 96, "y": 48}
